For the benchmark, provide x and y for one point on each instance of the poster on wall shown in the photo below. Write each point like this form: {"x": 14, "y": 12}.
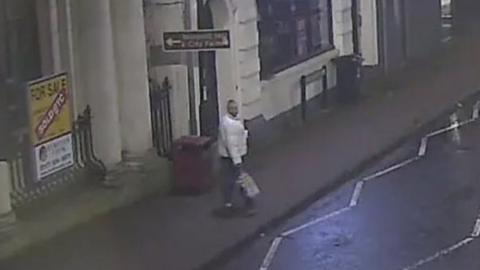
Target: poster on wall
{"x": 51, "y": 124}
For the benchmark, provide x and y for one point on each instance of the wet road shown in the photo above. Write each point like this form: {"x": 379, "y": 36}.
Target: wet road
{"x": 421, "y": 216}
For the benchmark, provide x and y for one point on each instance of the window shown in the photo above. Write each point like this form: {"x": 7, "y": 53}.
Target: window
{"x": 292, "y": 31}
{"x": 19, "y": 51}
{"x": 19, "y": 62}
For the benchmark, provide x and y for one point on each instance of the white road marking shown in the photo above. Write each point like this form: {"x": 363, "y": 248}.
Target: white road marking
{"x": 390, "y": 169}
{"x": 476, "y": 228}
{"x": 359, "y": 187}
{"x": 271, "y": 253}
{"x": 423, "y": 147}
{"x": 450, "y": 128}
{"x": 356, "y": 193}
{"x": 440, "y": 131}
{"x": 439, "y": 254}
{"x": 466, "y": 122}
{"x": 315, "y": 221}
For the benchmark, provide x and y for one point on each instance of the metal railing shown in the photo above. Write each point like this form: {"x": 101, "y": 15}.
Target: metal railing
{"x": 25, "y": 189}
{"x": 160, "y": 106}
{"x": 305, "y": 80}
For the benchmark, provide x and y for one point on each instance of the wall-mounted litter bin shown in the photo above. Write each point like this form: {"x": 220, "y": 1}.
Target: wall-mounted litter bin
{"x": 349, "y": 77}
{"x": 192, "y": 164}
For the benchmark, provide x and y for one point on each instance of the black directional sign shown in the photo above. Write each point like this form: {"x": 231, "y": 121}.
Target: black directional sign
{"x": 202, "y": 40}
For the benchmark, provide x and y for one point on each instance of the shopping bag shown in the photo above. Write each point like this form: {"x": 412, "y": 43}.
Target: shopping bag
{"x": 248, "y": 185}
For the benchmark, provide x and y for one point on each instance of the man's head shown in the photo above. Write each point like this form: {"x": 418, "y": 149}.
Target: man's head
{"x": 232, "y": 108}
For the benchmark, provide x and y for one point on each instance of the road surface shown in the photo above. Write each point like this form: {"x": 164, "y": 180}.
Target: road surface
{"x": 421, "y": 216}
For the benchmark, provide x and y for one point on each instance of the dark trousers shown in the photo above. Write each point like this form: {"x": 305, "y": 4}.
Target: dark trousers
{"x": 230, "y": 174}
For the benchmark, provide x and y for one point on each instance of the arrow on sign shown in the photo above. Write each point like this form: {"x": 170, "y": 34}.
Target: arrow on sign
{"x": 171, "y": 42}
{"x": 225, "y": 41}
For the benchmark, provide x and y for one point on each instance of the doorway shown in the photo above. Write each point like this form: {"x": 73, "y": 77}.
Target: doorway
{"x": 209, "y": 112}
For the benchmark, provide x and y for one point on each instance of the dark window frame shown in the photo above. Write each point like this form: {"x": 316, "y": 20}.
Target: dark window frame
{"x": 291, "y": 19}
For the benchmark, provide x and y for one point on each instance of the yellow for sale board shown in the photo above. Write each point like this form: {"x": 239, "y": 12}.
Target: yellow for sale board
{"x": 50, "y": 111}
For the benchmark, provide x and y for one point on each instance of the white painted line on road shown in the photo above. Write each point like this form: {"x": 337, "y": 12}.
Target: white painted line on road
{"x": 423, "y": 147}
{"x": 440, "y": 131}
{"x": 439, "y": 254}
{"x": 476, "y": 228}
{"x": 466, "y": 122}
{"x": 450, "y": 128}
{"x": 358, "y": 190}
{"x": 356, "y": 193}
{"x": 271, "y": 253}
{"x": 314, "y": 222}
{"x": 390, "y": 169}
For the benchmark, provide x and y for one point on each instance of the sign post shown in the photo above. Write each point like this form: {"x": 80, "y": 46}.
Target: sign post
{"x": 51, "y": 124}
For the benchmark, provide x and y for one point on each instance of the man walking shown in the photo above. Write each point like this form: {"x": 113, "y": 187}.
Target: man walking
{"x": 232, "y": 150}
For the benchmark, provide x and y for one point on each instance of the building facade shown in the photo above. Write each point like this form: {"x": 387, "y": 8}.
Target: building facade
{"x": 273, "y": 43}
{"x": 111, "y": 49}
{"x": 101, "y": 45}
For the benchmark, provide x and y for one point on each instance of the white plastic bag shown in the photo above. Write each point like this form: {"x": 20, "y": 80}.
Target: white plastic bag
{"x": 249, "y": 186}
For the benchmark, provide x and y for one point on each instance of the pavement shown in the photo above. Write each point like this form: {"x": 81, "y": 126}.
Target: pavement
{"x": 82, "y": 201}
{"x": 422, "y": 215}
{"x": 180, "y": 233}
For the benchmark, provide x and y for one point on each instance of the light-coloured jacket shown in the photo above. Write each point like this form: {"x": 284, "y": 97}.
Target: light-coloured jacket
{"x": 233, "y": 139}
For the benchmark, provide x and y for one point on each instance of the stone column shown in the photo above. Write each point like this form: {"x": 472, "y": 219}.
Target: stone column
{"x": 7, "y": 217}
{"x": 132, "y": 73}
{"x": 98, "y": 75}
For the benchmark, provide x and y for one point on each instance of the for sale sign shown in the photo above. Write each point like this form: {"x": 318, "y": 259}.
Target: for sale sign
{"x": 50, "y": 108}
{"x": 51, "y": 124}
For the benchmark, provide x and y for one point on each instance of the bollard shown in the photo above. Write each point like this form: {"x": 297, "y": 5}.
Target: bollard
{"x": 7, "y": 216}
{"x": 325, "y": 89}
{"x": 303, "y": 97}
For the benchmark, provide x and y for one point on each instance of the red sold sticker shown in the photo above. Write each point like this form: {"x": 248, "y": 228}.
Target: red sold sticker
{"x": 52, "y": 114}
